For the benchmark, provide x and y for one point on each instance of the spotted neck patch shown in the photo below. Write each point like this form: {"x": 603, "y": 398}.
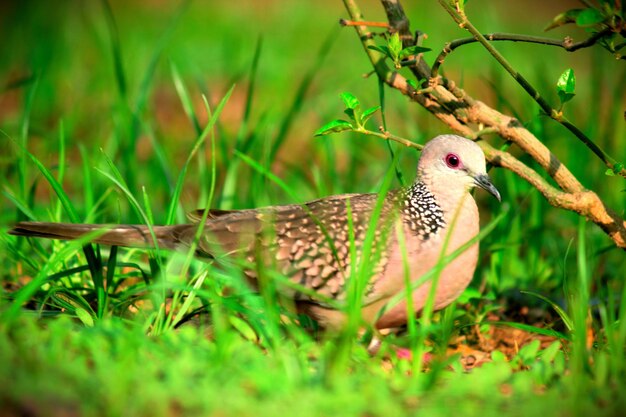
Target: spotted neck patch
{"x": 422, "y": 213}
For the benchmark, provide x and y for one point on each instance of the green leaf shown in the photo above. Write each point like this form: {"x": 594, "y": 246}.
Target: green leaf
{"x": 369, "y": 113}
{"x": 589, "y": 17}
{"x": 395, "y": 45}
{"x": 413, "y": 84}
{"x": 565, "y": 97}
{"x": 528, "y": 353}
{"x": 350, "y": 100}
{"x": 549, "y": 353}
{"x": 611, "y": 172}
{"x": 498, "y": 356}
{"x": 566, "y": 85}
{"x": 351, "y": 114}
{"x": 608, "y": 42}
{"x": 335, "y": 126}
{"x": 413, "y": 50}
{"x": 244, "y": 328}
{"x": 567, "y": 81}
{"x": 382, "y": 49}
{"x": 469, "y": 294}
{"x": 563, "y": 19}
{"x": 84, "y": 316}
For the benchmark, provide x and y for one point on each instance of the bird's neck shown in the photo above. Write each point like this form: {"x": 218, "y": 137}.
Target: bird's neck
{"x": 433, "y": 207}
{"x": 422, "y": 212}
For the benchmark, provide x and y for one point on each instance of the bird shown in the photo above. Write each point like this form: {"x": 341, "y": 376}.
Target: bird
{"x": 319, "y": 244}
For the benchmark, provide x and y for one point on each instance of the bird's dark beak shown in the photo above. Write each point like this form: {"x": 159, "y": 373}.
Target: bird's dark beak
{"x": 483, "y": 181}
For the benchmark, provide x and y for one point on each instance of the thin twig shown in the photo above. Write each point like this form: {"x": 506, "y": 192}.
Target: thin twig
{"x": 384, "y": 134}
{"x": 567, "y": 44}
{"x": 345, "y": 22}
{"x": 463, "y": 21}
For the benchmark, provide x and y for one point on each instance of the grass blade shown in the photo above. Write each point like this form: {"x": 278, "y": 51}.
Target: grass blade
{"x": 25, "y": 293}
{"x": 567, "y": 320}
{"x": 185, "y": 98}
{"x": 174, "y": 200}
{"x": 527, "y": 328}
{"x": 116, "y": 49}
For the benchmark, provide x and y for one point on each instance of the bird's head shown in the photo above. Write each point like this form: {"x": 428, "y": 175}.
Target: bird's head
{"x": 453, "y": 163}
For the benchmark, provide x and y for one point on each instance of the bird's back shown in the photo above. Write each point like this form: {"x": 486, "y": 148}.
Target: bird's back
{"x": 313, "y": 244}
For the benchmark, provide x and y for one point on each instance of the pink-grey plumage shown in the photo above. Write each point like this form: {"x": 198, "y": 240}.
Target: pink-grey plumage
{"x": 312, "y": 243}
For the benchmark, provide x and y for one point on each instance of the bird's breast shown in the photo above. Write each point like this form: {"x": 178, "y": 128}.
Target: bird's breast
{"x": 421, "y": 257}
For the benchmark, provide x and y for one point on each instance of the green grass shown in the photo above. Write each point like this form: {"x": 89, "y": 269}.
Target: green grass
{"x": 114, "y": 369}
{"x": 214, "y": 105}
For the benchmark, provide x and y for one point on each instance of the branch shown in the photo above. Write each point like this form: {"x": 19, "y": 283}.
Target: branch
{"x": 461, "y": 19}
{"x": 461, "y": 112}
{"x": 345, "y": 22}
{"x": 384, "y": 134}
{"x": 586, "y": 203}
{"x": 397, "y": 81}
{"x": 566, "y": 44}
{"x": 455, "y": 108}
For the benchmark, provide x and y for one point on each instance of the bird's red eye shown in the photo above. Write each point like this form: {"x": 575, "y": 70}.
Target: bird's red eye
{"x": 452, "y": 161}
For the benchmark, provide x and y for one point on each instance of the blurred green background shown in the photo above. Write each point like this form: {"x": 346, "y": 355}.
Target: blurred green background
{"x": 111, "y": 79}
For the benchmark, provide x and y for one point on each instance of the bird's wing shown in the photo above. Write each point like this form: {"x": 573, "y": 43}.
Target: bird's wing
{"x": 196, "y": 215}
{"x": 310, "y": 243}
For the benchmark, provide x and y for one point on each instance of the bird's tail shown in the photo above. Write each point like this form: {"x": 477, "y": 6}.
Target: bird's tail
{"x": 139, "y": 236}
